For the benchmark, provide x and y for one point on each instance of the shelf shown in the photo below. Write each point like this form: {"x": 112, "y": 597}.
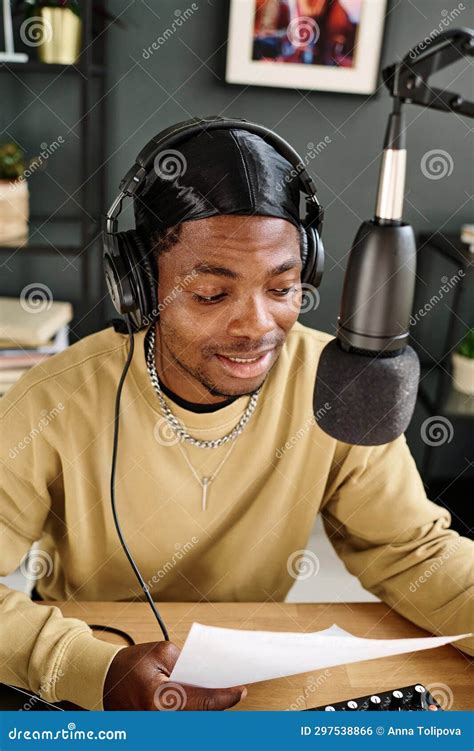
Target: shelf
{"x": 33, "y": 66}
{"x": 449, "y": 245}
{"x": 449, "y": 402}
{"x": 62, "y": 235}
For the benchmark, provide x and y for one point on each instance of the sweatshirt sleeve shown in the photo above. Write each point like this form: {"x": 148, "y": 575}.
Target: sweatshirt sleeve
{"x": 40, "y": 650}
{"x": 398, "y": 542}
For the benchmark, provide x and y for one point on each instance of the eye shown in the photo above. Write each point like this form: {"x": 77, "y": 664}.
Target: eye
{"x": 208, "y": 300}
{"x": 282, "y": 291}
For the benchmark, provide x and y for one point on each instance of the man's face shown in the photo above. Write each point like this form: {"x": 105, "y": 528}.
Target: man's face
{"x": 230, "y": 288}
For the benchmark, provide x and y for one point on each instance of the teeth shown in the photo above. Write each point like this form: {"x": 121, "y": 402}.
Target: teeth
{"x": 239, "y": 359}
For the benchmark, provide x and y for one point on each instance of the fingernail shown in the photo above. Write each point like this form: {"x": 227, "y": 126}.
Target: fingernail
{"x": 243, "y": 694}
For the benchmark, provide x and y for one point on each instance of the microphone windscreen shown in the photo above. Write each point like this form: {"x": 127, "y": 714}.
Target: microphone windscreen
{"x": 363, "y": 399}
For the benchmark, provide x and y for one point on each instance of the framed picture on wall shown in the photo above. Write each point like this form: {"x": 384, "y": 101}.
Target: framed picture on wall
{"x": 326, "y": 45}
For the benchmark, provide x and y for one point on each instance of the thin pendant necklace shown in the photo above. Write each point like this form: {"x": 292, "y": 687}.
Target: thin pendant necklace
{"x": 205, "y": 482}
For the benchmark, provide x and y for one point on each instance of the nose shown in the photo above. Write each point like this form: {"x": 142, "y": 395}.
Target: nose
{"x": 252, "y": 318}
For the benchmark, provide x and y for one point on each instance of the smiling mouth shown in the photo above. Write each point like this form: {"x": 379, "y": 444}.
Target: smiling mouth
{"x": 243, "y": 359}
{"x": 246, "y": 367}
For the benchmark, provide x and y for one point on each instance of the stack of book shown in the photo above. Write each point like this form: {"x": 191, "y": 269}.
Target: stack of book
{"x": 29, "y": 334}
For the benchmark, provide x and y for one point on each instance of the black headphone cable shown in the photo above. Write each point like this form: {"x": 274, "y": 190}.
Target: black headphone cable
{"x": 112, "y": 484}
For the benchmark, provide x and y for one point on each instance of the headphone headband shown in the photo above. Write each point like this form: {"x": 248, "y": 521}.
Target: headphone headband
{"x": 131, "y": 275}
{"x": 134, "y": 179}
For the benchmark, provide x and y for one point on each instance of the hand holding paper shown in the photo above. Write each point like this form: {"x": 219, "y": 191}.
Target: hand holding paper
{"x": 214, "y": 657}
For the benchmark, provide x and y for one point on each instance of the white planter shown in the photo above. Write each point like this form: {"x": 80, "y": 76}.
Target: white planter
{"x": 463, "y": 373}
{"x": 14, "y": 211}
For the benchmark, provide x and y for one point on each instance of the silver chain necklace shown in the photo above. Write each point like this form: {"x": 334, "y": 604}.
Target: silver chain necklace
{"x": 173, "y": 421}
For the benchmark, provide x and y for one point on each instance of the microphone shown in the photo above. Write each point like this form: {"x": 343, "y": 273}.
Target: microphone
{"x": 367, "y": 378}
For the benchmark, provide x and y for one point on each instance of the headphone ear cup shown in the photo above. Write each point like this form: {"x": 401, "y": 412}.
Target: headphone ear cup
{"x": 117, "y": 276}
{"x": 143, "y": 277}
{"x": 313, "y": 266}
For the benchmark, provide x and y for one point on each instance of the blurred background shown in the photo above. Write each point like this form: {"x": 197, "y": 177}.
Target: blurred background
{"x": 84, "y": 85}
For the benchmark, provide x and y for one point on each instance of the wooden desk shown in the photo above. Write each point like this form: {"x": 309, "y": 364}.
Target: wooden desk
{"x": 445, "y": 669}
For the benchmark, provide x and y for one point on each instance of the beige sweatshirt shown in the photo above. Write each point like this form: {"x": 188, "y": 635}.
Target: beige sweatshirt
{"x": 56, "y": 447}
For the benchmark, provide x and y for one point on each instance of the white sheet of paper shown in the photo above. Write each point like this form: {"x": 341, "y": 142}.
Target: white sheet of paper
{"x": 214, "y": 657}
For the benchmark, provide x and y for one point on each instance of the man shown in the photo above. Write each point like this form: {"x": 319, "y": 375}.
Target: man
{"x": 218, "y": 511}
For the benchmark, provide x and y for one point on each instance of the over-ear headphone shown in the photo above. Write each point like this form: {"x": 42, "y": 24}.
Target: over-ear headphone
{"x": 130, "y": 270}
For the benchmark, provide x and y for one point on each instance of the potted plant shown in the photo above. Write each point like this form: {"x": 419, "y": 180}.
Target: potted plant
{"x": 14, "y": 195}
{"x": 463, "y": 365}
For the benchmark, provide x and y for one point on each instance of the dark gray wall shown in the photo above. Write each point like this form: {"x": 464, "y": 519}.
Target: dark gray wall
{"x": 186, "y": 77}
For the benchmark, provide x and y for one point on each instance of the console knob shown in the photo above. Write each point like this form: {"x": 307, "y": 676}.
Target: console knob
{"x": 396, "y": 700}
{"x": 419, "y": 697}
{"x": 375, "y": 702}
{"x": 352, "y": 705}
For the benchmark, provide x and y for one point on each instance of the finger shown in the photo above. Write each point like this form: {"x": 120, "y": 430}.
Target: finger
{"x": 177, "y": 696}
{"x": 168, "y": 654}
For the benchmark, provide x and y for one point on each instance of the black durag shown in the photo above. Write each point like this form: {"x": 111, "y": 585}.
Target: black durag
{"x": 217, "y": 172}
